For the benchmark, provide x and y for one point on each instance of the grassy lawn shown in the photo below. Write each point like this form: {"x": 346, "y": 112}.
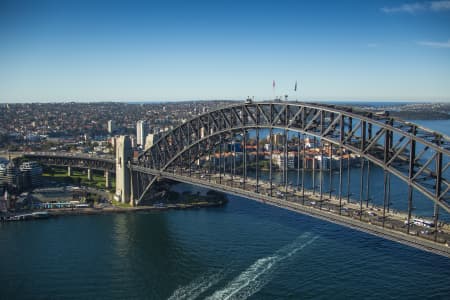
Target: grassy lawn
{"x": 79, "y": 177}
{"x": 120, "y": 204}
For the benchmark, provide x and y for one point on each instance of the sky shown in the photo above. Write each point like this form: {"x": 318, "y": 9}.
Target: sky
{"x": 205, "y": 50}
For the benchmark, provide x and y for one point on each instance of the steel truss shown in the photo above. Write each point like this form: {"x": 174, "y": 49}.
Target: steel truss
{"x": 418, "y": 156}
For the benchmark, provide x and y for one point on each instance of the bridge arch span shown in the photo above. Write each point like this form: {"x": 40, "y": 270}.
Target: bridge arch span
{"x": 416, "y": 155}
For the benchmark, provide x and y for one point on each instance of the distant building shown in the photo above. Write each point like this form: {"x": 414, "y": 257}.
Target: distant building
{"x": 234, "y": 147}
{"x": 279, "y": 160}
{"x": 112, "y": 141}
{"x": 278, "y": 139}
{"x": 3, "y": 174}
{"x": 32, "y": 173}
{"x": 111, "y": 126}
{"x": 4, "y": 201}
{"x": 12, "y": 174}
{"x": 9, "y": 175}
{"x": 308, "y": 143}
{"x": 150, "y": 140}
{"x": 28, "y": 175}
{"x": 133, "y": 142}
{"x": 141, "y": 128}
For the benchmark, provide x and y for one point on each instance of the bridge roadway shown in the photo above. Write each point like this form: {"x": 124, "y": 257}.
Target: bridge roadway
{"x": 105, "y": 163}
{"x": 392, "y": 228}
{"x": 106, "y": 159}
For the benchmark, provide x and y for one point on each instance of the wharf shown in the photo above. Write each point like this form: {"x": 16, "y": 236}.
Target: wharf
{"x": 105, "y": 210}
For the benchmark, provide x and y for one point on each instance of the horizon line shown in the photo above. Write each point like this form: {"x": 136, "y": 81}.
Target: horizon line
{"x": 444, "y": 100}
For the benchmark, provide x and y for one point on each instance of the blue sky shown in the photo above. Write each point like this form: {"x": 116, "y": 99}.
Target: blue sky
{"x": 182, "y": 50}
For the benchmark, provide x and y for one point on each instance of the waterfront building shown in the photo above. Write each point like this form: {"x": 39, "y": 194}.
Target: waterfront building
{"x": 11, "y": 175}
{"x": 3, "y": 175}
{"x": 307, "y": 143}
{"x": 32, "y": 173}
{"x": 278, "y": 139}
{"x": 333, "y": 162}
{"x": 141, "y": 130}
{"x": 278, "y": 159}
{"x": 234, "y": 146}
{"x": 4, "y": 201}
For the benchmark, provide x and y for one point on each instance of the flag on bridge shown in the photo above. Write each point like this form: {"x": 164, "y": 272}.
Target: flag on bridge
{"x": 273, "y": 84}
{"x": 295, "y": 87}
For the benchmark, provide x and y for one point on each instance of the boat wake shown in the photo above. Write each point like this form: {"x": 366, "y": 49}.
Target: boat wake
{"x": 197, "y": 287}
{"x": 255, "y": 277}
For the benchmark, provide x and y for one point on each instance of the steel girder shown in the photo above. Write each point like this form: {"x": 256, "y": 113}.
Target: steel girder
{"x": 418, "y": 156}
{"x": 141, "y": 183}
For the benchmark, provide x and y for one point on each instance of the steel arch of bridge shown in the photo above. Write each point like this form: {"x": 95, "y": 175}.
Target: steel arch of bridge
{"x": 416, "y": 155}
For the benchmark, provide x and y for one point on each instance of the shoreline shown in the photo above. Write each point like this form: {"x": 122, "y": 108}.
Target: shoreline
{"x": 55, "y": 212}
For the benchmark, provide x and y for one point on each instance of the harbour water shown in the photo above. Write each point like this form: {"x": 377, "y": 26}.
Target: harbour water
{"x": 244, "y": 250}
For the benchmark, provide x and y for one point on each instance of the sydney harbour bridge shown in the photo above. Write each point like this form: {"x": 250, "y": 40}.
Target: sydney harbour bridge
{"x": 357, "y": 168}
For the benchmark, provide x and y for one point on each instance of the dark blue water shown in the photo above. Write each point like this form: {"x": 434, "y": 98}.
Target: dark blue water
{"x": 243, "y": 250}
{"x": 442, "y": 126}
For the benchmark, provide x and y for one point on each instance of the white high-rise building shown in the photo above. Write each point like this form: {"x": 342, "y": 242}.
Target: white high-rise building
{"x": 150, "y": 140}
{"x": 111, "y": 126}
{"x": 141, "y": 128}
{"x": 133, "y": 142}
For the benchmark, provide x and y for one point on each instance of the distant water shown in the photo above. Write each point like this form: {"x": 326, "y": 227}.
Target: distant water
{"x": 368, "y": 103}
{"x": 442, "y": 126}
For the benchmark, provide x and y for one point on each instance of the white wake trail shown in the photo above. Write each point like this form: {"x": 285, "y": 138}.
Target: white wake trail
{"x": 255, "y": 277}
{"x": 197, "y": 287}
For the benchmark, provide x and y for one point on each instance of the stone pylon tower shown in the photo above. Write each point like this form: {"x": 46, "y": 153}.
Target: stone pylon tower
{"x": 124, "y": 154}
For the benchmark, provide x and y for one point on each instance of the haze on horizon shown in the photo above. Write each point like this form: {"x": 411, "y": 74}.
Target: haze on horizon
{"x": 204, "y": 50}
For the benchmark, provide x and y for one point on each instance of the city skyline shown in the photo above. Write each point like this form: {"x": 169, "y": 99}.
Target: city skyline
{"x": 153, "y": 51}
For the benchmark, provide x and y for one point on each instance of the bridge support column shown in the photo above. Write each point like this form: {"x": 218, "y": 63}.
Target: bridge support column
{"x": 69, "y": 171}
{"x": 89, "y": 174}
{"x": 107, "y": 180}
{"x": 123, "y": 181}
{"x": 133, "y": 185}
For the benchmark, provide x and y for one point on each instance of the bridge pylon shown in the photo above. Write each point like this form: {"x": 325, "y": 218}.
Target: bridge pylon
{"x": 123, "y": 181}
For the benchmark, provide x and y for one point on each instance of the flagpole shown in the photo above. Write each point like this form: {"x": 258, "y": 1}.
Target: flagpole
{"x": 273, "y": 89}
